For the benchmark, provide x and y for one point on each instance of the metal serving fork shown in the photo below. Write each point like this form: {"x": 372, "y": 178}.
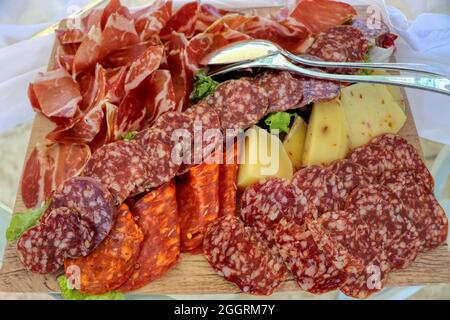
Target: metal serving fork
{"x": 253, "y": 49}
{"x": 277, "y": 61}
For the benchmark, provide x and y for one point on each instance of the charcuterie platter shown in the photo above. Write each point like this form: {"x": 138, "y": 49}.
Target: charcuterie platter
{"x": 130, "y": 212}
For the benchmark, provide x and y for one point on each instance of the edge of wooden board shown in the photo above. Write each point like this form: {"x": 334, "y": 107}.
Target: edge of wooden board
{"x": 192, "y": 274}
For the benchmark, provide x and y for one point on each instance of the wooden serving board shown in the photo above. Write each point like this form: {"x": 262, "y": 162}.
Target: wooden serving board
{"x": 192, "y": 274}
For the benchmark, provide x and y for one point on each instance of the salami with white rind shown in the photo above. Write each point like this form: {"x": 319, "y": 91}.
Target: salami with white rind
{"x": 91, "y": 200}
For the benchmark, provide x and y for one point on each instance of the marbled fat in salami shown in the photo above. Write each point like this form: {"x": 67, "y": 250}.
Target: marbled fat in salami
{"x": 407, "y": 156}
{"x": 111, "y": 264}
{"x": 163, "y": 153}
{"x": 284, "y": 91}
{"x": 422, "y": 207}
{"x": 43, "y": 248}
{"x": 122, "y": 166}
{"x": 237, "y": 254}
{"x": 375, "y": 158}
{"x": 157, "y": 216}
{"x": 239, "y": 104}
{"x": 351, "y": 174}
{"x": 383, "y": 211}
{"x": 91, "y": 200}
{"x": 266, "y": 202}
{"x": 321, "y": 187}
{"x": 316, "y": 90}
{"x": 311, "y": 269}
{"x": 372, "y": 29}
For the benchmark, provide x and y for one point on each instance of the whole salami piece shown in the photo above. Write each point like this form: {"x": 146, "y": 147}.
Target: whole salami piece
{"x": 43, "y": 248}
{"x": 266, "y": 202}
{"x": 91, "y": 200}
{"x": 163, "y": 153}
{"x": 310, "y": 267}
{"x": 237, "y": 254}
{"x": 239, "y": 104}
{"x": 321, "y": 187}
{"x": 111, "y": 264}
{"x": 407, "y": 156}
{"x": 198, "y": 203}
{"x": 351, "y": 174}
{"x": 284, "y": 91}
{"x": 122, "y": 166}
{"x": 157, "y": 216}
{"x": 340, "y": 44}
{"x": 383, "y": 211}
{"x": 422, "y": 207}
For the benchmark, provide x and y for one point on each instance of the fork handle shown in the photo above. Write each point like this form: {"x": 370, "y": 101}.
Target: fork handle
{"x": 279, "y": 62}
{"x": 413, "y": 67}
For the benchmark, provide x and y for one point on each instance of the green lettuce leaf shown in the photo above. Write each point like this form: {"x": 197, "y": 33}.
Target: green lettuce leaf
{"x": 73, "y": 294}
{"x": 279, "y": 121}
{"x": 366, "y": 72}
{"x": 21, "y": 222}
{"x": 203, "y": 86}
{"x": 130, "y": 135}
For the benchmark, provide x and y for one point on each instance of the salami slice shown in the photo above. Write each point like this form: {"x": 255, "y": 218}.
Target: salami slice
{"x": 383, "y": 211}
{"x": 43, "y": 248}
{"x": 284, "y": 91}
{"x": 180, "y": 128}
{"x": 111, "y": 264}
{"x": 351, "y": 174}
{"x": 315, "y": 90}
{"x": 340, "y": 44}
{"x": 372, "y": 29}
{"x": 163, "y": 153}
{"x": 239, "y": 104}
{"x": 237, "y": 254}
{"x": 422, "y": 207}
{"x": 321, "y": 187}
{"x": 198, "y": 203}
{"x": 311, "y": 269}
{"x": 407, "y": 157}
{"x": 122, "y": 166}
{"x": 91, "y": 200}
{"x": 265, "y": 203}
{"x": 375, "y": 158}
{"x": 157, "y": 216}
{"x": 346, "y": 240}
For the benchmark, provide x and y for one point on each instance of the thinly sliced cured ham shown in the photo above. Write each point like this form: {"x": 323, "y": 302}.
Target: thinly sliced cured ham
{"x": 181, "y": 69}
{"x": 115, "y": 79}
{"x": 143, "y": 67}
{"x": 163, "y": 94}
{"x": 55, "y": 94}
{"x": 150, "y": 20}
{"x": 127, "y": 55}
{"x": 89, "y": 51}
{"x": 183, "y": 21}
{"x": 47, "y": 167}
{"x": 320, "y": 15}
{"x": 207, "y": 15}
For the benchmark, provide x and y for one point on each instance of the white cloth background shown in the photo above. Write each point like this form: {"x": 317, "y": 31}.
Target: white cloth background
{"x": 422, "y": 24}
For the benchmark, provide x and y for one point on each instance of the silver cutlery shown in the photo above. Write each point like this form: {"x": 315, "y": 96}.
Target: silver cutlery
{"x": 277, "y": 61}
{"x": 254, "y": 49}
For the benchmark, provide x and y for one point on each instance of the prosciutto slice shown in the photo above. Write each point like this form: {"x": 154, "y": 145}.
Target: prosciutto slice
{"x": 55, "y": 95}
{"x": 150, "y": 20}
{"x": 47, "y": 167}
{"x": 183, "y": 21}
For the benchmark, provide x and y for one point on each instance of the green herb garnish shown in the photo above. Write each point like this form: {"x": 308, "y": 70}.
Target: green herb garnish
{"x": 72, "y": 294}
{"x": 130, "y": 135}
{"x": 366, "y": 72}
{"x": 21, "y": 222}
{"x": 203, "y": 86}
{"x": 279, "y": 121}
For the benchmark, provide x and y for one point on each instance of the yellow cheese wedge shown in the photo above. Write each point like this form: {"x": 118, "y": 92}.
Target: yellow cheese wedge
{"x": 327, "y": 135}
{"x": 263, "y": 156}
{"x": 295, "y": 141}
{"x": 370, "y": 110}
{"x": 395, "y": 91}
